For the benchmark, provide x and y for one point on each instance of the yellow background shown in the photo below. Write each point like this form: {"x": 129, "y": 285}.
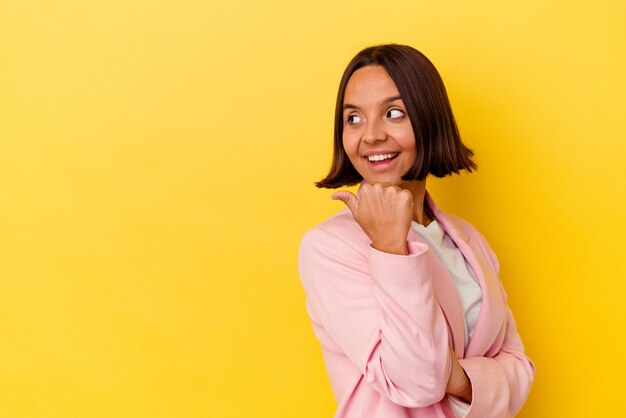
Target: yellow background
{"x": 157, "y": 162}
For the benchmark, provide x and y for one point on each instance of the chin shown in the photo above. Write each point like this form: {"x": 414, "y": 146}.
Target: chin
{"x": 395, "y": 181}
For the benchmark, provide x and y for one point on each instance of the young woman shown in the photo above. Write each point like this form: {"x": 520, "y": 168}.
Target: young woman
{"x": 404, "y": 298}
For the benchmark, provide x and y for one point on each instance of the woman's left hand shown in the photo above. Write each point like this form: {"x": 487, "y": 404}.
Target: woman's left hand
{"x": 458, "y": 383}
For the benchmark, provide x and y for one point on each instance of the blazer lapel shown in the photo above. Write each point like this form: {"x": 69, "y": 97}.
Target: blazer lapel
{"x": 488, "y": 326}
{"x": 448, "y": 298}
{"x": 487, "y": 329}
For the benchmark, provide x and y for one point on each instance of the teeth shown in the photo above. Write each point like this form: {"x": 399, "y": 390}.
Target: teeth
{"x": 381, "y": 157}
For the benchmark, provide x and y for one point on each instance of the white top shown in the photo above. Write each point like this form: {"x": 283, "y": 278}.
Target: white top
{"x": 469, "y": 291}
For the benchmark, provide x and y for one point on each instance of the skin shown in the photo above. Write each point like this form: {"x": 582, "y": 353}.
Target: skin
{"x": 376, "y": 123}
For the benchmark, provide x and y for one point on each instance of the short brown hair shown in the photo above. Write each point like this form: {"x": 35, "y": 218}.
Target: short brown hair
{"x": 440, "y": 151}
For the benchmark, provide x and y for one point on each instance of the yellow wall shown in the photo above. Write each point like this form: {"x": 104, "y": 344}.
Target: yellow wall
{"x": 157, "y": 160}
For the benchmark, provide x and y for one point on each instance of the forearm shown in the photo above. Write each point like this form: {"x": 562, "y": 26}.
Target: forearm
{"x": 414, "y": 341}
{"x": 380, "y": 310}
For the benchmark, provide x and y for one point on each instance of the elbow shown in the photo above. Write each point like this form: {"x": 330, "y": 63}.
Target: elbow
{"x": 422, "y": 400}
{"x": 429, "y": 380}
{"x": 416, "y": 397}
{"x": 411, "y": 387}
{"x": 429, "y": 392}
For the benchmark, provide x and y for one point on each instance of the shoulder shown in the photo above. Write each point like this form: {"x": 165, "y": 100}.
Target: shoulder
{"x": 333, "y": 253}
{"x": 452, "y": 221}
{"x": 467, "y": 229}
{"x": 472, "y": 233}
{"x": 465, "y": 226}
{"x": 338, "y": 234}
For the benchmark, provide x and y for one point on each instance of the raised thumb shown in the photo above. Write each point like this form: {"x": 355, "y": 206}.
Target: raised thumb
{"x": 351, "y": 201}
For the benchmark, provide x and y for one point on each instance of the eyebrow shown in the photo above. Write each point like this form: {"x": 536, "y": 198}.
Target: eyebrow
{"x": 387, "y": 100}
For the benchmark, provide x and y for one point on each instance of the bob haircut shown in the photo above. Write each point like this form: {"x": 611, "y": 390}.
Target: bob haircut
{"x": 440, "y": 151}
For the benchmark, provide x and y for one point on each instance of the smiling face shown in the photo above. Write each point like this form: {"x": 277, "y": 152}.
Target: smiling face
{"x": 377, "y": 133}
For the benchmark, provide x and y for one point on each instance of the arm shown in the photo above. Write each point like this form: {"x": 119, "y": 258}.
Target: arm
{"x": 500, "y": 384}
{"x": 380, "y": 310}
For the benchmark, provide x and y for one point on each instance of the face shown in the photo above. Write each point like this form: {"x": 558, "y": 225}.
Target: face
{"x": 377, "y": 133}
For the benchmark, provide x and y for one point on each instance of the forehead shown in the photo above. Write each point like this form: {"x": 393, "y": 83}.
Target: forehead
{"x": 369, "y": 84}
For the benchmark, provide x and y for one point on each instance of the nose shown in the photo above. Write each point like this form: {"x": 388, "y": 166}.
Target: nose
{"x": 374, "y": 131}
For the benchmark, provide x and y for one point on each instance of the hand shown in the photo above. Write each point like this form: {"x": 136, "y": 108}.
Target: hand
{"x": 458, "y": 383}
{"x": 384, "y": 213}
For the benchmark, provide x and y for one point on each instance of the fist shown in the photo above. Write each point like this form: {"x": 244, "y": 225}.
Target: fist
{"x": 384, "y": 212}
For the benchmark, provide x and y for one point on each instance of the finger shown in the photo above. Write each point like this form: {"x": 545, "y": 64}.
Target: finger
{"x": 351, "y": 201}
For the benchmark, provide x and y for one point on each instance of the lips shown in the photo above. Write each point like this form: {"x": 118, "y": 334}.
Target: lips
{"x": 382, "y": 157}
{"x": 381, "y": 162}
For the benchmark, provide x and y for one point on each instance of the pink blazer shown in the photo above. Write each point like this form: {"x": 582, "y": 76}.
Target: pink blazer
{"x": 385, "y": 323}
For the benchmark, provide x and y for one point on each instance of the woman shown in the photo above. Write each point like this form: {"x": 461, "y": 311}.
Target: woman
{"x": 404, "y": 298}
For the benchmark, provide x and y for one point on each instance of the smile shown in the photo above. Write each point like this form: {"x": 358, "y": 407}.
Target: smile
{"x": 381, "y": 157}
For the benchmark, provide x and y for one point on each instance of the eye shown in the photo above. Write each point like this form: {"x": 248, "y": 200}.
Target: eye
{"x": 395, "y": 113}
{"x": 352, "y": 119}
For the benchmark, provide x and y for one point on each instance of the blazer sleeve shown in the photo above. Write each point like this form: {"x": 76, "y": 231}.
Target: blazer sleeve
{"x": 379, "y": 309}
{"x": 500, "y": 384}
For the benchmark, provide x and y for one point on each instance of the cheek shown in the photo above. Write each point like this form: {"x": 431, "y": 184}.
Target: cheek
{"x": 350, "y": 146}
{"x": 408, "y": 142}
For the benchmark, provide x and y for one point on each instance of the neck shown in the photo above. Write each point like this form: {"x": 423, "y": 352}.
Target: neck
{"x": 418, "y": 190}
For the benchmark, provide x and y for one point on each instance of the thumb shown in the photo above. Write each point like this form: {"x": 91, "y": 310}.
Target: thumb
{"x": 351, "y": 201}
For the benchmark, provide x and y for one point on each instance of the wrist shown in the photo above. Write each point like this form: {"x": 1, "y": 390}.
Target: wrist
{"x": 466, "y": 390}
{"x": 459, "y": 383}
{"x": 392, "y": 248}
